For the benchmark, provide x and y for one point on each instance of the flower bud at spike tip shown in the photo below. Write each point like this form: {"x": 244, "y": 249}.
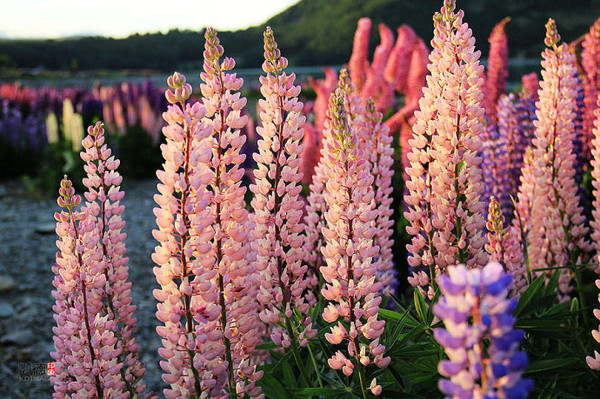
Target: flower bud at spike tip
{"x": 552, "y": 36}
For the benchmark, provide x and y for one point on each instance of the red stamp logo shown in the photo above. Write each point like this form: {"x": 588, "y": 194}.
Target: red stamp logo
{"x": 50, "y": 369}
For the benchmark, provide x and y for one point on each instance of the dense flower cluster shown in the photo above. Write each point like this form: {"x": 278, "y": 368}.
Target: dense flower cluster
{"x": 444, "y": 212}
{"x": 351, "y": 288}
{"x": 96, "y": 352}
{"x": 103, "y": 206}
{"x": 556, "y": 232}
{"x": 478, "y": 337}
{"x": 203, "y": 230}
{"x": 244, "y": 278}
{"x": 379, "y": 153}
{"x": 497, "y": 71}
{"x": 590, "y": 62}
{"x": 277, "y": 207}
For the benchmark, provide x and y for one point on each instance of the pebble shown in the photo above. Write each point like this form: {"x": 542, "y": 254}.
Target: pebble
{"x": 7, "y": 284}
{"x": 45, "y": 228}
{"x": 6, "y": 310}
{"x": 20, "y": 338}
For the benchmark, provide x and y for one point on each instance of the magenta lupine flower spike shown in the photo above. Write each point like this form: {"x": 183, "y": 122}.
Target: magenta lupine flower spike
{"x": 350, "y": 286}
{"x": 380, "y": 153}
{"x": 359, "y": 64}
{"x": 445, "y": 211}
{"x": 590, "y": 61}
{"x": 375, "y": 85}
{"x": 557, "y": 233}
{"x": 479, "y": 339}
{"x": 103, "y": 196}
{"x": 497, "y": 71}
{"x": 531, "y": 85}
{"x": 398, "y": 64}
{"x": 87, "y": 355}
{"x": 229, "y": 350}
{"x": 277, "y": 205}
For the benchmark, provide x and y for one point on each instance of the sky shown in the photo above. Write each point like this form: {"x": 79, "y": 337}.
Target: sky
{"x": 121, "y": 18}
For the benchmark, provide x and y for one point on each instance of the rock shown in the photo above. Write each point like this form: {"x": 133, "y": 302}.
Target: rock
{"x": 20, "y": 338}
{"x": 45, "y": 228}
{"x": 6, "y": 309}
{"x": 7, "y": 284}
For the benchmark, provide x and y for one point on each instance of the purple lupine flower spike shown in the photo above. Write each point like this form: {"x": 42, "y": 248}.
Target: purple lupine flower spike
{"x": 479, "y": 338}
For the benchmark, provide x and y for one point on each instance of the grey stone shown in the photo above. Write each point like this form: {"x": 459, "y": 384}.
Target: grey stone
{"x": 45, "y": 228}
{"x": 6, "y": 309}
{"x": 20, "y": 338}
{"x": 7, "y": 284}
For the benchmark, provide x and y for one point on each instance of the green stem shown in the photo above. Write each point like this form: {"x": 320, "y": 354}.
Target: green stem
{"x": 295, "y": 352}
{"x": 312, "y": 357}
{"x": 577, "y": 273}
{"x": 361, "y": 379}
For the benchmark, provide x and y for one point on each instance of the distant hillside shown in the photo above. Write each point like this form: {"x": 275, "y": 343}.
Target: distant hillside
{"x": 313, "y": 32}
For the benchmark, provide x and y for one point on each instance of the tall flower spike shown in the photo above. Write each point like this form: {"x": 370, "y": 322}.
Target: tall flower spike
{"x": 103, "y": 207}
{"x": 495, "y": 166}
{"x": 444, "y": 207}
{"x": 503, "y": 247}
{"x": 359, "y": 64}
{"x": 185, "y": 305}
{"x": 516, "y": 129}
{"x": 380, "y": 154}
{"x": 590, "y": 61}
{"x": 315, "y": 209}
{"x": 375, "y": 85}
{"x": 475, "y": 311}
{"x": 521, "y": 223}
{"x": 531, "y": 85}
{"x": 350, "y": 278}
{"x": 86, "y": 353}
{"x": 398, "y": 64}
{"x": 497, "y": 71}
{"x": 595, "y": 222}
{"x": 277, "y": 206}
{"x": 232, "y": 338}
{"x": 557, "y": 235}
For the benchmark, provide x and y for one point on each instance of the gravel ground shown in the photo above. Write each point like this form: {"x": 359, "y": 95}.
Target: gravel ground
{"x": 27, "y": 253}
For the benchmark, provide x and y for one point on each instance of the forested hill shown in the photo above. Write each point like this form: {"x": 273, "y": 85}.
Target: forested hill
{"x": 313, "y": 32}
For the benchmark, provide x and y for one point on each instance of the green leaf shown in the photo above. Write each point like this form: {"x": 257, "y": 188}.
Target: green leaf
{"x": 529, "y": 294}
{"x": 272, "y": 388}
{"x": 288, "y": 375}
{"x": 550, "y": 364}
{"x": 390, "y": 315}
{"x": 266, "y": 346}
{"x": 420, "y": 306}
